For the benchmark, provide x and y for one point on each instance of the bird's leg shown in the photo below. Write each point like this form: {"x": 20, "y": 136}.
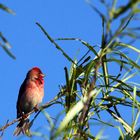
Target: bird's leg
{"x": 24, "y": 116}
{"x": 36, "y": 108}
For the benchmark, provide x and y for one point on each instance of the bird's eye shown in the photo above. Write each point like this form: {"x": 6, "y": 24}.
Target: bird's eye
{"x": 35, "y": 77}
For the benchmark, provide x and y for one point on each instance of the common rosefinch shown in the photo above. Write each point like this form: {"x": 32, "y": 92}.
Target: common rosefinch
{"x": 30, "y": 95}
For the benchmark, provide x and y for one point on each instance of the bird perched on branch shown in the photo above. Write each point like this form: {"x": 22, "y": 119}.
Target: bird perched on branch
{"x": 30, "y": 95}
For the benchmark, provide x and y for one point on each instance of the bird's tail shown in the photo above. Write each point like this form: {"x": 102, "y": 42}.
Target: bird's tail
{"x": 23, "y": 127}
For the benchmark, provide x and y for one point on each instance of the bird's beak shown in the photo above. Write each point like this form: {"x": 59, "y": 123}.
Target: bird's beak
{"x": 42, "y": 75}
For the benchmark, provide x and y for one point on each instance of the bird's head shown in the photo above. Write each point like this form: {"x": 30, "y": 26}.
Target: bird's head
{"x": 36, "y": 74}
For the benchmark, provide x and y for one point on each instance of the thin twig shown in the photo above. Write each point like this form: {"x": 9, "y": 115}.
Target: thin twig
{"x": 3, "y": 131}
{"x": 39, "y": 111}
{"x": 88, "y": 103}
{"x": 46, "y": 105}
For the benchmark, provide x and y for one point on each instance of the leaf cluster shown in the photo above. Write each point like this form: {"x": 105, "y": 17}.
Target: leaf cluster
{"x": 3, "y": 41}
{"x": 92, "y": 88}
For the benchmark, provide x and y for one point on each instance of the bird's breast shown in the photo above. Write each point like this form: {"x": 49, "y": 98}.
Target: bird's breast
{"x": 33, "y": 96}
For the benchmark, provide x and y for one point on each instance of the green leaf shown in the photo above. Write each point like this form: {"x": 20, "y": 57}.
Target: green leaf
{"x": 137, "y": 135}
{"x": 130, "y": 61}
{"x": 90, "y": 47}
{"x": 126, "y": 126}
{"x": 6, "y": 9}
{"x": 7, "y": 51}
{"x": 7, "y": 44}
{"x": 88, "y": 69}
{"x": 129, "y": 46}
{"x": 74, "y": 111}
{"x": 96, "y": 10}
{"x": 52, "y": 41}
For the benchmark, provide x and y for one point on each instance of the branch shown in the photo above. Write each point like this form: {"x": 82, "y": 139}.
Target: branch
{"x": 87, "y": 104}
{"x": 46, "y": 105}
{"x": 3, "y": 131}
{"x": 125, "y": 125}
{"x": 125, "y": 8}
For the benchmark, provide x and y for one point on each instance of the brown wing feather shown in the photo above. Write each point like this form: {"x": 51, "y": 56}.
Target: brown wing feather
{"x": 21, "y": 92}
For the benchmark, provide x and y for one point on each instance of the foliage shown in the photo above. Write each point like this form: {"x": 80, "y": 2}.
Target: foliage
{"x": 91, "y": 88}
{"x": 3, "y": 41}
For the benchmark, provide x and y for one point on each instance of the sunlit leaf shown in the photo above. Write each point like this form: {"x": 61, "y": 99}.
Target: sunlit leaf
{"x": 129, "y": 46}
{"x": 73, "y": 111}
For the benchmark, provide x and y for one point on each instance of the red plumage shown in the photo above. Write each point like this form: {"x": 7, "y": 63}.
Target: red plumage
{"x": 30, "y": 95}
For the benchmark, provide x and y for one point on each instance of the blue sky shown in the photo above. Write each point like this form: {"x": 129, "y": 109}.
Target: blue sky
{"x": 73, "y": 18}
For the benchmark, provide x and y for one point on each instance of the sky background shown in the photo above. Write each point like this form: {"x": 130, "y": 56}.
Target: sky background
{"x": 71, "y": 18}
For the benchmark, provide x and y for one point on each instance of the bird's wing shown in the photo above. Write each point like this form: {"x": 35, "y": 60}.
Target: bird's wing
{"x": 21, "y": 92}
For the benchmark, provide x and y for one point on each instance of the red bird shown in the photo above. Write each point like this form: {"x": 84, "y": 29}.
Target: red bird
{"x": 30, "y": 95}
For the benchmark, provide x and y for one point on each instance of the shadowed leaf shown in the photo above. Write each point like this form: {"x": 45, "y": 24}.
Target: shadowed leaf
{"x": 6, "y": 9}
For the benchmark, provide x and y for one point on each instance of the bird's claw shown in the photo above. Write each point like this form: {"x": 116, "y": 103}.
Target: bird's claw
{"x": 24, "y": 116}
{"x": 36, "y": 108}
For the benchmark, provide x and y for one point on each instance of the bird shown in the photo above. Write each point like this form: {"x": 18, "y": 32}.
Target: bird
{"x": 30, "y": 96}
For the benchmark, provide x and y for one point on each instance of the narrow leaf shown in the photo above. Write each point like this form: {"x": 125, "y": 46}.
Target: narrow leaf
{"x": 129, "y": 46}
{"x": 6, "y": 9}
{"x": 52, "y": 41}
{"x": 73, "y": 111}
{"x": 7, "y": 51}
